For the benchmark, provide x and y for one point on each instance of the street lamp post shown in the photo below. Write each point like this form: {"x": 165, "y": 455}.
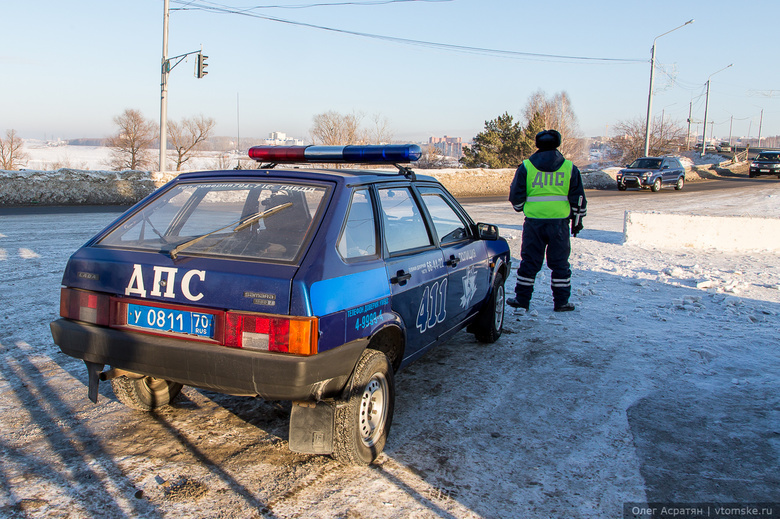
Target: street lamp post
{"x": 650, "y": 95}
{"x": 164, "y": 90}
{"x": 706, "y": 106}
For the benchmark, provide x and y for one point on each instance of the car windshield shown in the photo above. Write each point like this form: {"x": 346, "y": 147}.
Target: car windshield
{"x": 646, "y": 164}
{"x": 259, "y": 220}
{"x": 768, "y": 156}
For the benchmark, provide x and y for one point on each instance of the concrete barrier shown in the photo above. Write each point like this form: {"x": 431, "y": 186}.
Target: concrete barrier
{"x": 723, "y": 233}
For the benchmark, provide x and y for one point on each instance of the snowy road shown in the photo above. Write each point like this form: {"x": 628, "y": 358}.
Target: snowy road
{"x": 664, "y": 385}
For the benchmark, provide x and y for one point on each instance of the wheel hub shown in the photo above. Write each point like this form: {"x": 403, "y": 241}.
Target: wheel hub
{"x": 373, "y": 409}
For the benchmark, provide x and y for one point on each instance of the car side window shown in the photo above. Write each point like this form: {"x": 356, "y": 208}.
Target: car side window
{"x": 358, "y": 239}
{"x": 403, "y": 222}
{"x": 449, "y": 226}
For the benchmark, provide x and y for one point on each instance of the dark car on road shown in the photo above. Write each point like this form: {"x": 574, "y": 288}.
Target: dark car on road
{"x": 766, "y": 163}
{"x": 653, "y": 173}
{"x": 307, "y": 285}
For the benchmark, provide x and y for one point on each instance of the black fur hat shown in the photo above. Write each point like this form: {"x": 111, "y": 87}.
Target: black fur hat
{"x": 548, "y": 140}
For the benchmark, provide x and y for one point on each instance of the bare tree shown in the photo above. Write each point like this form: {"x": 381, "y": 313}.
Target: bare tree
{"x": 11, "y": 155}
{"x": 130, "y": 146}
{"x": 379, "y": 132}
{"x": 557, "y": 113}
{"x": 666, "y": 136}
{"x": 332, "y": 128}
{"x": 188, "y": 136}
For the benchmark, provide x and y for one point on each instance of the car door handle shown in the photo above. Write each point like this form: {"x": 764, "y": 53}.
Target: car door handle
{"x": 400, "y": 278}
{"x": 453, "y": 261}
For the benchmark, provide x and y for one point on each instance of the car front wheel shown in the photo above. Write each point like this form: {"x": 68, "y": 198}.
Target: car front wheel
{"x": 364, "y": 415}
{"x": 621, "y": 187}
{"x": 656, "y": 187}
{"x": 144, "y": 393}
{"x": 680, "y": 183}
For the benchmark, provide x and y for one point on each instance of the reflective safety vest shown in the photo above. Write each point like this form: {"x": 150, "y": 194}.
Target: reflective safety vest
{"x": 547, "y": 192}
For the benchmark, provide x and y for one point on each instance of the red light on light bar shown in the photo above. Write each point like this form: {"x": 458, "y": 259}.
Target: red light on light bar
{"x": 277, "y": 153}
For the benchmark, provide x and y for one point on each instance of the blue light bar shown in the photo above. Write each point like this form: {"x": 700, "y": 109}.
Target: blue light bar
{"x": 362, "y": 154}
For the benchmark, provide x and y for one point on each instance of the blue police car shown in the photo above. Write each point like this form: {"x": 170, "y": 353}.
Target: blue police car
{"x": 309, "y": 285}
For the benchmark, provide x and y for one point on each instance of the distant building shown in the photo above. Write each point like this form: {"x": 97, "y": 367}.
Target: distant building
{"x": 281, "y": 139}
{"x": 448, "y": 146}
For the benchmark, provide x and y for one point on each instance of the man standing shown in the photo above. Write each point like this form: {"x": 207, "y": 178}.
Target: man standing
{"x": 548, "y": 189}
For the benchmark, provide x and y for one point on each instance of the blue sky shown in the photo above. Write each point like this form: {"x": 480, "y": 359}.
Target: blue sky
{"x": 70, "y": 67}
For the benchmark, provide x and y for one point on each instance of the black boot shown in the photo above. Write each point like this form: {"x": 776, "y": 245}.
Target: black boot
{"x": 566, "y": 307}
{"x": 514, "y": 303}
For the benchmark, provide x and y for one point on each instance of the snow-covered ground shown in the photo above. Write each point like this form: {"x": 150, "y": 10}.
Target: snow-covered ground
{"x": 663, "y": 385}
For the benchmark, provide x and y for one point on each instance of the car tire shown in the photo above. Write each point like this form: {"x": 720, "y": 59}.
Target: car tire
{"x": 680, "y": 184}
{"x": 145, "y": 393}
{"x": 364, "y": 414}
{"x": 656, "y": 187}
{"x": 751, "y": 175}
{"x": 621, "y": 187}
{"x": 489, "y": 323}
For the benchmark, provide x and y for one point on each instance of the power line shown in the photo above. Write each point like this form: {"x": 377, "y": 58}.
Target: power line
{"x": 530, "y": 56}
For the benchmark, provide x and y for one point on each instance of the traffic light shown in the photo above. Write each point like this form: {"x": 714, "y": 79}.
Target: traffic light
{"x": 200, "y": 71}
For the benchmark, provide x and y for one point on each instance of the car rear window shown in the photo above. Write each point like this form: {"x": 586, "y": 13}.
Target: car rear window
{"x": 259, "y": 220}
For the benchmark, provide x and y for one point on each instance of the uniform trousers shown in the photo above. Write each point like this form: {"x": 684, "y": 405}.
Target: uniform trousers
{"x": 540, "y": 236}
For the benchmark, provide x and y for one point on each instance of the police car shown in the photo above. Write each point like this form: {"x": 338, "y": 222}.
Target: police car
{"x": 308, "y": 285}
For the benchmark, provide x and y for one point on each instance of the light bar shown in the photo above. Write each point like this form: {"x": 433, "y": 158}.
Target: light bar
{"x": 368, "y": 154}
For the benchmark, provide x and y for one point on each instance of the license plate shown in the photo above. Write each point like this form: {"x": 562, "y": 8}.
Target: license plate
{"x": 764, "y": 170}
{"x": 168, "y": 320}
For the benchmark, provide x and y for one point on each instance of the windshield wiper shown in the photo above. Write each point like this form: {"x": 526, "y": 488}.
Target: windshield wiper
{"x": 239, "y": 225}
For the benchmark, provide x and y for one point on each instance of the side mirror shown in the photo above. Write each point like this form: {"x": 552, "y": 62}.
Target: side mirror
{"x": 487, "y": 231}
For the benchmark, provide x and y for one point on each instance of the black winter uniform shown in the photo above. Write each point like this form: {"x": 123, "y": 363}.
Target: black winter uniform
{"x": 543, "y": 234}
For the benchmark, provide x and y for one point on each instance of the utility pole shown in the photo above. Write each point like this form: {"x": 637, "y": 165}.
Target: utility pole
{"x": 731, "y": 124}
{"x": 760, "y": 122}
{"x": 164, "y": 89}
{"x": 706, "y": 106}
{"x": 650, "y": 94}
{"x": 688, "y": 135}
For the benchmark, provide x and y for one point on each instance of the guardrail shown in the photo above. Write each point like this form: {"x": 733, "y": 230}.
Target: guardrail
{"x": 739, "y": 157}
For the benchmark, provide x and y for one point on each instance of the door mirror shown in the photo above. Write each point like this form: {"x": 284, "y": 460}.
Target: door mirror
{"x": 487, "y": 231}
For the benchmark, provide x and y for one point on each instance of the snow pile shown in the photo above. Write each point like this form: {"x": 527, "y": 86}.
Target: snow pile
{"x": 73, "y": 187}
{"x": 707, "y": 232}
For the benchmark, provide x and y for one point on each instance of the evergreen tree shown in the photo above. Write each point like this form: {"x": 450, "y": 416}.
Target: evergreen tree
{"x": 528, "y": 138}
{"x": 498, "y": 146}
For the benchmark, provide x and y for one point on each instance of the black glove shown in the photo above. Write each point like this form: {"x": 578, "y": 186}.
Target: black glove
{"x": 576, "y": 226}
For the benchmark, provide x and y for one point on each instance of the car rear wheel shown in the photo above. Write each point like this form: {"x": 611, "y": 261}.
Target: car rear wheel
{"x": 680, "y": 184}
{"x": 490, "y": 321}
{"x": 364, "y": 415}
{"x": 656, "y": 187}
{"x": 145, "y": 393}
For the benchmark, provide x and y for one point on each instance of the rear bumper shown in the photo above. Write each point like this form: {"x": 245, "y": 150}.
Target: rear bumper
{"x": 272, "y": 376}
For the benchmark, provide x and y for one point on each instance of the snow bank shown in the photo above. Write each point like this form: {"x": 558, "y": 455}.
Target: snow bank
{"x": 702, "y": 232}
{"x": 75, "y": 187}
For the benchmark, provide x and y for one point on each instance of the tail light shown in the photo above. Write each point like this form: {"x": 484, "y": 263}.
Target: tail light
{"x": 81, "y": 305}
{"x": 271, "y": 333}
